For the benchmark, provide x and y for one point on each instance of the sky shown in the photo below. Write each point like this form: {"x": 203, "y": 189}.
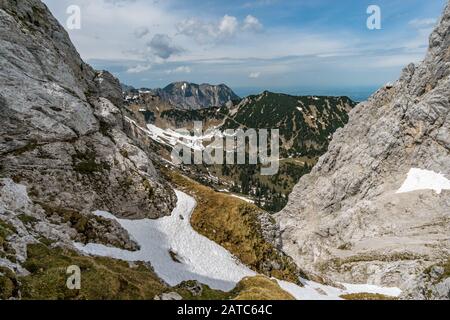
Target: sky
{"x": 251, "y": 45}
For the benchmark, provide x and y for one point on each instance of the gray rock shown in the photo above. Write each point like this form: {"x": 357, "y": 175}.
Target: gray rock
{"x": 31, "y": 223}
{"x": 270, "y": 230}
{"x": 109, "y": 87}
{"x": 169, "y": 296}
{"x": 345, "y": 220}
{"x": 194, "y": 287}
{"x": 443, "y": 289}
{"x": 61, "y": 132}
{"x": 187, "y": 95}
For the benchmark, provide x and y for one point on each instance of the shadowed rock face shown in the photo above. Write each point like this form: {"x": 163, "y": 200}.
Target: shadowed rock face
{"x": 345, "y": 218}
{"x": 61, "y": 125}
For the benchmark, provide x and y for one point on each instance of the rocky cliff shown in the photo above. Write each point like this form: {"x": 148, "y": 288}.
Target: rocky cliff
{"x": 346, "y": 219}
{"x": 61, "y": 125}
{"x": 185, "y": 95}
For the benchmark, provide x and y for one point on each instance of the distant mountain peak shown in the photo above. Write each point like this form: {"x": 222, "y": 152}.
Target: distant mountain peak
{"x": 187, "y": 95}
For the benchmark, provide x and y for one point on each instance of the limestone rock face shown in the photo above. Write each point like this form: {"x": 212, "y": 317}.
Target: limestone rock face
{"x": 23, "y": 222}
{"x": 345, "y": 219}
{"x": 185, "y": 95}
{"x": 61, "y": 124}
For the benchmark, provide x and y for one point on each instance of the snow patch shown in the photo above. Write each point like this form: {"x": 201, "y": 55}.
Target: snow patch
{"x": 420, "y": 179}
{"x": 200, "y": 258}
{"x": 172, "y": 138}
{"x": 369, "y": 288}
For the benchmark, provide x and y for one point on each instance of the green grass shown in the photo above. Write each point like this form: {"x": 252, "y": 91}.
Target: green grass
{"x": 85, "y": 163}
{"x": 110, "y": 279}
{"x": 6, "y": 230}
{"x": 445, "y": 274}
{"x": 366, "y": 296}
{"x": 8, "y": 284}
{"x": 259, "y": 288}
{"x": 30, "y": 146}
{"x": 101, "y": 278}
{"x": 206, "y": 292}
{"x": 27, "y": 219}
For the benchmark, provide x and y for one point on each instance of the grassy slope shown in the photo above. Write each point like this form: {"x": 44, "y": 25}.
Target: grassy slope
{"x": 107, "y": 278}
{"x": 366, "y": 296}
{"x": 233, "y": 224}
{"x": 102, "y": 278}
{"x": 260, "y": 288}
{"x": 111, "y": 279}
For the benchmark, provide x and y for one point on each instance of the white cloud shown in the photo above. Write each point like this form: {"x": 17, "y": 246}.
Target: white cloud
{"x": 252, "y": 24}
{"x": 419, "y": 41}
{"x": 139, "y": 68}
{"x": 228, "y": 26}
{"x": 221, "y": 47}
{"x": 202, "y": 32}
{"x": 209, "y": 32}
{"x": 254, "y": 75}
{"x": 423, "y": 23}
{"x": 181, "y": 69}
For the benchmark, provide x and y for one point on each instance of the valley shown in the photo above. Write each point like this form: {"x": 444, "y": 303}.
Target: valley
{"x": 306, "y": 127}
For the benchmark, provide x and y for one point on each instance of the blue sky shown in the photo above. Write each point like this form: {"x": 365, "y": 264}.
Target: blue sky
{"x": 252, "y": 44}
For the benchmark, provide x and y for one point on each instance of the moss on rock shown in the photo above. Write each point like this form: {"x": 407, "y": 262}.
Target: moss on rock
{"x": 260, "y": 288}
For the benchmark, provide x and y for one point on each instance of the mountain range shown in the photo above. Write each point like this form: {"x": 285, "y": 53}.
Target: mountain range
{"x": 306, "y": 125}
{"x": 190, "y": 96}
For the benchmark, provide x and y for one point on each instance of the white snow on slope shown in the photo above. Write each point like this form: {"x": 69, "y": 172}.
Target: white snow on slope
{"x": 200, "y": 258}
{"x": 420, "y": 179}
{"x": 171, "y": 138}
{"x": 370, "y": 288}
{"x": 316, "y": 291}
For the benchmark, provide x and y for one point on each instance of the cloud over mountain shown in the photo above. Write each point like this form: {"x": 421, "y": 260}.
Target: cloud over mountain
{"x": 227, "y": 27}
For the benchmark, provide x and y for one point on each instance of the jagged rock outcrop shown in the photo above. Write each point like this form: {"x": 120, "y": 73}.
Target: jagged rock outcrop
{"x": 61, "y": 129}
{"x": 346, "y": 220}
{"x": 185, "y": 95}
{"x": 23, "y": 222}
